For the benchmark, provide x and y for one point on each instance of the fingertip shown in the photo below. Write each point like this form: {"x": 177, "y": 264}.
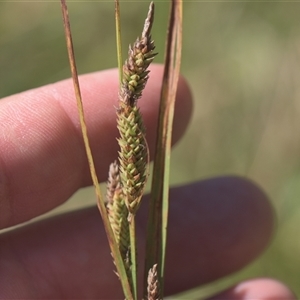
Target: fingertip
{"x": 261, "y": 288}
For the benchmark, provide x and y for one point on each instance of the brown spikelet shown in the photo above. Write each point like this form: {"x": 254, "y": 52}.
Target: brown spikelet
{"x": 113, "y": 182}
{"x": 153, "y": 286}
{"x": 117, "y": 211}
{"x": 140, "y": 55}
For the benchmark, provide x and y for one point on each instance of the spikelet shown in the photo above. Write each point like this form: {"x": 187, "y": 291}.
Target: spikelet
{"x": 113, "y": 182}
{"x": 117, "y": 211}
{"x": 140, "y": 55}
{"x": 153, "y": 286}
{"x": 133, "y": 155}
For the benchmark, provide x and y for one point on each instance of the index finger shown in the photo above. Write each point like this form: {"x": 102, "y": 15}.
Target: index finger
{"x": 42, "y": 157}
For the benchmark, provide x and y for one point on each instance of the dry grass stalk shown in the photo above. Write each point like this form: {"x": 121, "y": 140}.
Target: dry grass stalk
{"x": 133, "y": 154}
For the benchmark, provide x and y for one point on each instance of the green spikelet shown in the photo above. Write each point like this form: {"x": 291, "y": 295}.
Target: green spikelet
{"x": 117, "y": 210}
{"x": 133, "y": 156}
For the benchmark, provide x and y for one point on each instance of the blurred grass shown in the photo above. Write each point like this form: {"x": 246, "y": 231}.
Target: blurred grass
{"x": 242, "y": 61}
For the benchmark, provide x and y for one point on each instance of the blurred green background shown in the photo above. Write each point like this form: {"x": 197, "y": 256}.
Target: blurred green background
{"x": 242, "y": 60}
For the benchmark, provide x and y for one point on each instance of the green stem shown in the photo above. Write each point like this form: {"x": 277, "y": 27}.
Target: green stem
{"x": 133, "y": 254}
{"x": 118, "y": 38}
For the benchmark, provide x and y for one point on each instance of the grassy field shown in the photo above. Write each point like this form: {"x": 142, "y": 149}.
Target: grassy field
{"x": 242, "y": 61}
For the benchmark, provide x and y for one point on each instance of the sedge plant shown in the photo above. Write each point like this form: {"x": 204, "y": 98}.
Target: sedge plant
{"x": 128, "y": 174}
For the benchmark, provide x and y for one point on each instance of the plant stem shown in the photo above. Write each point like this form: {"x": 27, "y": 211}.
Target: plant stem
{"x": 118, "y": 38}
{"x": 133, "y": 252}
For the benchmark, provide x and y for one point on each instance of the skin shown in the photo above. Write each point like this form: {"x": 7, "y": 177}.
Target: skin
{"x": 217, "y": 226}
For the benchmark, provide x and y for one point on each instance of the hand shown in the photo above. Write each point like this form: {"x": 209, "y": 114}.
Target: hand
{"x": 216, "y": 227}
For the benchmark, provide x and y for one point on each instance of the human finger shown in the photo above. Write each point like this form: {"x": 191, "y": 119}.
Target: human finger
{"x": 260, "y": 288}
{"x": 42, "y": 157}
{"x": 216, "y": 227}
